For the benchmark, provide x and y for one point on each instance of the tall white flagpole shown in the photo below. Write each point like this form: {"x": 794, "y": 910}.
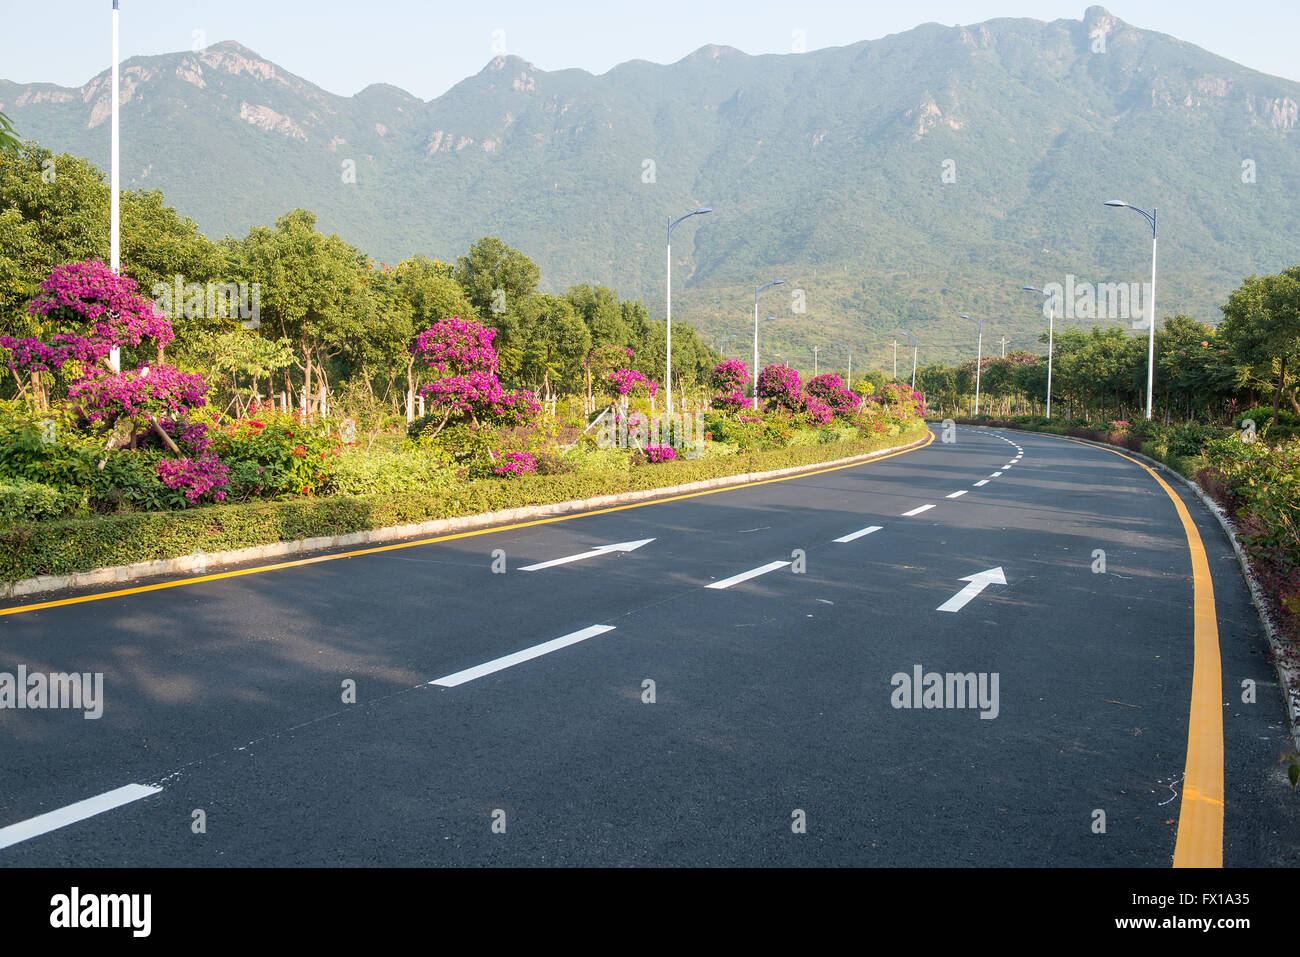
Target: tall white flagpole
{"x": 114, "y": 224}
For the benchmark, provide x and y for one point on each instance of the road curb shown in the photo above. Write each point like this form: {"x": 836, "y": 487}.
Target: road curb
{"x": 202, "y": 563}
{"x": 1288, "y": 675}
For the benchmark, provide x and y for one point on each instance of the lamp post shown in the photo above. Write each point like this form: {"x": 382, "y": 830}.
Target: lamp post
{"x": 1151, "y": 338}
{"x": 850, "y": 352}
{"x": 915, "y": 345}
{"x": 668, "y": 359}
{"x": 815, "y": 350}
{"x": 774, "y": 282}
{"x": 114, "y": 224}
{"x": 979, "y": 358}
{"x": 1051, "y": 322}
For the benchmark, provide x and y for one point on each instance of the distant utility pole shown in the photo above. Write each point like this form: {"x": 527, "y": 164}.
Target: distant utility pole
{"x": 895, "y": 358}
{"x": 815, "y": 348}
{"x": 1004, "y": 347}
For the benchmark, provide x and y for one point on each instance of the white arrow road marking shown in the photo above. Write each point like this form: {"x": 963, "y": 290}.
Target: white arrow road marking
{"x": 536, "y": 651}
{"x": 978, "y": 582}
{"x": 956, "y": 494}
{"x": 53, "y": 820}
{"x": 746, "y": 576}
{"x": 616, "y": 547}
{"x": 917, "y": 511}
{"x": 981, "y": 482}
{"x": 860, "y": 532}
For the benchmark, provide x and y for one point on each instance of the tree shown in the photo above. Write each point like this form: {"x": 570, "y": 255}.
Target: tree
{"x": 315, "y": 293}
{"x": 557, "y": 343}
{"x": 498, "y": 280}
{"x": 1261, "y": 326}
{"x": 8, "y": 136}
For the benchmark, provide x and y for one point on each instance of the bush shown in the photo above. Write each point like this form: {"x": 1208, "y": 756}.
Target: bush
{"x": 24, "y": 501}
{"x": 1189, "y": 440}
{"x": 61, "y": 547}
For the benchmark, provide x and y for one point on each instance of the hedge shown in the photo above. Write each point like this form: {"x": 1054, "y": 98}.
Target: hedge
{"x": 83, "y": 544}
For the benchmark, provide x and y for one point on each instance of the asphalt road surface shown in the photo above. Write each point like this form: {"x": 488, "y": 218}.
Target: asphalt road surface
{"x": 726, "y": 692}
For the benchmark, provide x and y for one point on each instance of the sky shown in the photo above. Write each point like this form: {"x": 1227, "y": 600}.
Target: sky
{"x": 426, "y": 48}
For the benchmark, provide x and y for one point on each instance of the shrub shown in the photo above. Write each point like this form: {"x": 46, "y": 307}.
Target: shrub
{"x": 25, "y": 501}
{"x": 660, "y": 453}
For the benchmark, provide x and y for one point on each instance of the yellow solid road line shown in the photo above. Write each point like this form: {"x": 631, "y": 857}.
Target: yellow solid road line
{"x": 297, "y": 563}
{"x": 1200, "y": 818}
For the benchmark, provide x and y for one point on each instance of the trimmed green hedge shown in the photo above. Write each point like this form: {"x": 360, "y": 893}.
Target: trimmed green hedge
{"x": 82, "y": 544}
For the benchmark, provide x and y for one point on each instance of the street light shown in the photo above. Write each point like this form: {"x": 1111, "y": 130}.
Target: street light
{"x": 774, "y": 282}
{"x": 915, "y": 345}
{"x": 668, "y": 360}
{"x": 1151, "y": 339}
{"x": 1051, "y": 322}
{"x": 979, "y": 359}
{"x": 815, "y": 350}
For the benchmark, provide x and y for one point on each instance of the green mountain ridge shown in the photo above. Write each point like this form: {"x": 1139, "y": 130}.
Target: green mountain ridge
{"x": 825, "y": 169}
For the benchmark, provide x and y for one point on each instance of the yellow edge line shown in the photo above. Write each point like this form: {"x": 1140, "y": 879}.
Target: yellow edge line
{"x": 297, "y": 563}
{"x": 1200, "y": 817}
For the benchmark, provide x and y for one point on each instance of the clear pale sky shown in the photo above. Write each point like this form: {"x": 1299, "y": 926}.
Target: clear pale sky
{"x": 426, "y": 47}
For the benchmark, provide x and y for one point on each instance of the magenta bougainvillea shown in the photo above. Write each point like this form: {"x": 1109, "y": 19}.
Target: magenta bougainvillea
{"x": 830, "y": 390}
{"x": 515, "y": 463}
{"x": 91, "y": 310}
{"x": 160, "y": 390}
{"x": 730, "y": 379}
{"x": 467, "y": 391}
{"x": 629, "y": 381}
{"x": 204, "y": 476}
{"x": 457, "y": 346}
{"x": 660, "y": 453}
{"x": 779, "y": 386}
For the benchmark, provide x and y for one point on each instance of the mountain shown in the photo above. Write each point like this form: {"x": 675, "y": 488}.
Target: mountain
{"x": 896, "y": 182}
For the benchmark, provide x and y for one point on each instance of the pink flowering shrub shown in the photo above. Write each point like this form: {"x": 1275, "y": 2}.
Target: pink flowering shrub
{"x": 457, "y": 346}
{"x": 90, "y": 310}
{"x": 830, "y": 391}
{"x": 730, "y": 379}
{"x": 630, "y": 382}
{"x": 660, "y": 453}
{"x": 816, "y": 412}
{"x": 779, "y": 387}
{"x": 202, "y": 477}
{"x": 515, "y": 463}
{"x": 731, "y": 402}
{"x": 160, "y": 390}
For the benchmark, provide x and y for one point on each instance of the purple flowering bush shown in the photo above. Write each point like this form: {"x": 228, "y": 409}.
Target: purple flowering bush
{"x": 779, "y": 387}
{"x": 515, "y": 463}
{"x": 632, "y": 382}
{"x": 87, "y": 310}
{"x": 830, "y": 391}
{"x": 660, "y": 453}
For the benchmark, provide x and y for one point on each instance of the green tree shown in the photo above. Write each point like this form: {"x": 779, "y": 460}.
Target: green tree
{"x": 1261, "y": 326}
{"x": 315, "y": 293}
{"x": 498, "y": 280}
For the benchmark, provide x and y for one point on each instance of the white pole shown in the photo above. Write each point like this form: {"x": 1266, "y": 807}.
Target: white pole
{"x": 895, "y": 358}
{"x": 914, "y": 348}
{"x": 755, "y": 351}
{"x": 1151, "y": 341}
{"x": 1051, "y": 322}
{"x": 668, "y": 361}
{"x": 114, "y": 224}
{"x": 979, "y": 359}
{"x": 815, "y": 348}
{"x": 850, "y": 384}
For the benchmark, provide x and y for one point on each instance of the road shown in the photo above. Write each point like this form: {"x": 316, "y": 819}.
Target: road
{"x": 722, "y": 689}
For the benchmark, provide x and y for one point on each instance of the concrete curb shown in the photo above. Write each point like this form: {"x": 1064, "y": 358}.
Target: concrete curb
{"x": 1283, "y": 652}
{"x": 201, "y": 564}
